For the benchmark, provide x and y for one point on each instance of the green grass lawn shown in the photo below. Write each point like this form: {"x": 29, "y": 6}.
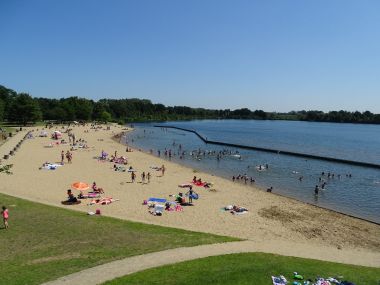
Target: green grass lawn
{"x": 7, "y": 129}
{"x": 44, "y": 242}
{"x": 248, "y": 268}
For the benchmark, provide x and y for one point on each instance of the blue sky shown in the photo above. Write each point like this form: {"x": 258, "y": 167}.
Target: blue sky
{"x": 275, "y": 55}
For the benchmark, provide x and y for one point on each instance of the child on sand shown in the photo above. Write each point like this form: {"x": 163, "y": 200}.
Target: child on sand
{"x": 143, "y": 178}
{"x": 5, "y": 215}
{"x": 148, "y": 177}
{"x": 133, "y": 176}
{"x": 163, "y": 170}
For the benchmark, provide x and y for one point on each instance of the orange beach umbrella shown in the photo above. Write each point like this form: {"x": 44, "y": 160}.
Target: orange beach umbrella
{"x": 81, "y": 186}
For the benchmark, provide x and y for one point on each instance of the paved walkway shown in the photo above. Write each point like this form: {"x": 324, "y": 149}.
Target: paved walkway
{"x": 112, "y": 270}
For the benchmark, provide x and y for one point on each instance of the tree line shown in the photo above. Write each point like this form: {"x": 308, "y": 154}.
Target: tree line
{"x": 22, "y": 108}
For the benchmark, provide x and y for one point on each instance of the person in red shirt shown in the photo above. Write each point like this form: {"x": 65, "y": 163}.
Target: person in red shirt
{"x": 5, "y": 215}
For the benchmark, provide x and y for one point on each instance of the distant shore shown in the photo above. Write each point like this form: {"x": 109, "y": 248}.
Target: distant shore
{"x": 281, "y": 225}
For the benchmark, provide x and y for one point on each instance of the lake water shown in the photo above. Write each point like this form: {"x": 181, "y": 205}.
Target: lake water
{"x": 358, "y": 195}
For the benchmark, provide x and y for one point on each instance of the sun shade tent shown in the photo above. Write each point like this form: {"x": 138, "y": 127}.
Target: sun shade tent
{"x": 81, "y": 186}
{"x": 56, "y": 135}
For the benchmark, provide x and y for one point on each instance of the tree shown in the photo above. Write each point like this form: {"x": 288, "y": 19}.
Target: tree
{"x": 24, "y": 109}
{"x": 2, "y": 108}
{"x": 105, "y": 117}
{"x": 83, "y": 110}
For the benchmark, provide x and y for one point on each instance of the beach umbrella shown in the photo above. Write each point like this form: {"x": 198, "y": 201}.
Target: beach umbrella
{"x": 81, "y": 186}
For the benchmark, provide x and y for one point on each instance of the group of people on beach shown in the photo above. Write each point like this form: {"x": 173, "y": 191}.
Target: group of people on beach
{"x": 68, "y": 155}
{"x": 145, "y": 177}
{"x": 95, "y": 191}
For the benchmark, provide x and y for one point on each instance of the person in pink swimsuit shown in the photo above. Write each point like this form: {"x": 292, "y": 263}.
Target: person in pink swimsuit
{"x": 5, "y": 215}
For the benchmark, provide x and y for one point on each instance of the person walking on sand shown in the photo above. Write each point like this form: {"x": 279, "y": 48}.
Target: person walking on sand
{"x": 148, "y": 177}
{"x": 133, "y": 176}
{"x": 143, "y": 177}
{"x": 62, "y": 156}
{"x": 68, "y": 156}
{"x": 163, "y": 170}
{"x": 5, "y": 215}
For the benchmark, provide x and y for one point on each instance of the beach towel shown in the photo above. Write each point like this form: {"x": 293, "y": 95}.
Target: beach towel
{"x": 103, "y": 201}
{"x": 200, "y": 184}
{"x": 184, "y": 185}
{"x": 238, "y": 213}
{"x": 158, "y": 209}
{"x": 159, "y": 200}
{"x": 51, "y": 166}
{"x": 120, "y": 168}
{"x": 279, "y": 280}
{"x": 70, "y": 203}
{"x": 323, "y": 282}
{"x": 89, "y": 195}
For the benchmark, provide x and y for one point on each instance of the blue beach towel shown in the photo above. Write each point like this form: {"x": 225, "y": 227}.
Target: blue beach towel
{"x": 159, "y": 200}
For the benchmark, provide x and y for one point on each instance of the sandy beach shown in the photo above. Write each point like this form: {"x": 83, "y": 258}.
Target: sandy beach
{"x": 277, "y": 224}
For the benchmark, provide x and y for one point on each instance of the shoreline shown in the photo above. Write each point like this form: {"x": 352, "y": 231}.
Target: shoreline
{"x": 255, "y": 186}
{"x": 277, "y": 223}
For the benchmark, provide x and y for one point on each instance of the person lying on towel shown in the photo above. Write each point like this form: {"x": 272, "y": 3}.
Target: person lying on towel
{"x": 239, "y": 209}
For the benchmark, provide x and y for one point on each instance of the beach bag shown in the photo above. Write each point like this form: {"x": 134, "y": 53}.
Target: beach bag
{"x": 145, "y": 202}
{"x": 97, "y": 211}
{"x": 178, "y": 208}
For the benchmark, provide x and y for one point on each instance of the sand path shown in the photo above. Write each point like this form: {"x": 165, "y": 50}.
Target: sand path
{"x": 119, "y": 268}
